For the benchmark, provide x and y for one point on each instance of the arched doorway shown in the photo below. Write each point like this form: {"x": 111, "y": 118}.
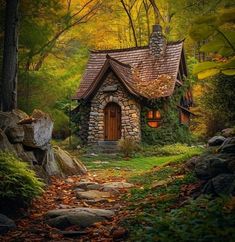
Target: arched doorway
{"x": 112, "y": 122}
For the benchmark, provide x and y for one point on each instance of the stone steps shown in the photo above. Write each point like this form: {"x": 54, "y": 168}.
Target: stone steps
{"x": 107, "y": 147}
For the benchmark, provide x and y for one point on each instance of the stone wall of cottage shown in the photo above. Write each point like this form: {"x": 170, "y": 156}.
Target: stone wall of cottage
{"x": 130, "y": 110}
{"x": 83, "y": 122}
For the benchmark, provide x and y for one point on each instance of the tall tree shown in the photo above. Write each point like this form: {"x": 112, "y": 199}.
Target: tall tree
{"x": 10, "y": 57}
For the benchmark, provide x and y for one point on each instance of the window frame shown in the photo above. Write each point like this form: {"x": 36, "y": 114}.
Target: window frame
{"x": 154, "y": 118}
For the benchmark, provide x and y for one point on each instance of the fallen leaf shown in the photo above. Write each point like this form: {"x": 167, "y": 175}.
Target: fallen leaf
{"x": 119, "y": 233}
{"x": 160, "y": 183}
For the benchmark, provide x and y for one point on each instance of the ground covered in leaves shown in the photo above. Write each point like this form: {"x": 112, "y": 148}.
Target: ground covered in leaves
{"x": 161, "y": 206}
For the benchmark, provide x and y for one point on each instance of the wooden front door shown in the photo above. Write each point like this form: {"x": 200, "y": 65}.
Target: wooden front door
{"x": 112, "y": 122}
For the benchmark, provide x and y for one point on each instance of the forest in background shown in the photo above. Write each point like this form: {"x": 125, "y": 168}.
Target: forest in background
{"x": 55, "y": 38}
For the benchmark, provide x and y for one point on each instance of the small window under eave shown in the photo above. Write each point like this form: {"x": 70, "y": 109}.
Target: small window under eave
{"x": 184, "y": 117}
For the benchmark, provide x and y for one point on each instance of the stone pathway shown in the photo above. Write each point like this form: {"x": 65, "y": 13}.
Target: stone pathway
{"x": 92, "y": 194}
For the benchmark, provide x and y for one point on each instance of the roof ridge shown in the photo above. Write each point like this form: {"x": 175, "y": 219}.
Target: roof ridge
{"x": 133, "y": 48}
{"x": 117, "y": 61}
{"x": 118, "y": 50}
{"x": 176, "y": 42}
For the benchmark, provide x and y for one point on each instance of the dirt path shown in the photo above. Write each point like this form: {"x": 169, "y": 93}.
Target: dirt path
{"x": 61, "y": 195}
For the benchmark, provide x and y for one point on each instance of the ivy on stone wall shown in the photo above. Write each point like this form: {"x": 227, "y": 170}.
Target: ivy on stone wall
{"x": 170, "y": 130}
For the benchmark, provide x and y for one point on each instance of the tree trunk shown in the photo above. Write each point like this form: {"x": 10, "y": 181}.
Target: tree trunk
{"x": 10, "y": 57}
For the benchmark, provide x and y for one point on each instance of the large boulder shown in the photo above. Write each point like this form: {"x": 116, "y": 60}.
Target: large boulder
{"x": 5, "y": 145}
{"x": 216, "y": 141}
{"x": 38, "y": 129}
{"x": 201, "y": 170}
{"x": 29, "y": 157}
{"x": 11, "y": 119}
{"x": 40, "y": 172}
{"x": 231, "y": 165}
{"x": 20, "y": 114}
{"x": 5, "y": 120}
{"x": 83, "y": 217}
{"x": 58, "y": 162}
{"x": 210, "y": 166}
{"x": 6, "y": 224}
{"x": 68, "y": 164}
{"x": 228, "y": 141}
{"x": 228, "y": 148}
{"x": 15, "y": 133}
{"x": 223, "y": 184}
{"x": 229, "y": 132}
{"x": 24, "y": 155}
{"x": 191, "y": 163}
{"x": 50, "y": 164}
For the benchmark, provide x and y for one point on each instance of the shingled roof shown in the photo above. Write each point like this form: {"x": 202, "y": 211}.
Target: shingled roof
{"x": 143, "y": 73}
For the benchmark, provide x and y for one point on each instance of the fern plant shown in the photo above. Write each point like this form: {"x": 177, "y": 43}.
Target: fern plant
{"x": 17, "y": 181}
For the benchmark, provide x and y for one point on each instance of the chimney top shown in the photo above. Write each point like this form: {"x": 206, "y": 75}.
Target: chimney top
{"x": 157, "y": 42}
{"x": 157, "y": 28}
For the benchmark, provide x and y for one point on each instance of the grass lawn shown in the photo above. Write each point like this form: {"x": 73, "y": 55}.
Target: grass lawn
{"x": 117, "y": 166}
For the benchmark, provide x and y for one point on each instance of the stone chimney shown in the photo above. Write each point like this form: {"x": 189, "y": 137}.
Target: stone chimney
{"x": 157, "y": 42}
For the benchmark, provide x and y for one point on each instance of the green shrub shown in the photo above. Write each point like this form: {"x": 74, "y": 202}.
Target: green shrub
{"x": 17, "y": 182}
{"x": 61, "y": 124}
{"x": 71, "y": 142}
{"x": 128, "y": 146}
{"x": 174, "y": 149}
{"x": 166, "y": 150}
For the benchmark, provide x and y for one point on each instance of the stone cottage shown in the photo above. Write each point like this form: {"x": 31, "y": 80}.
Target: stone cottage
{"x": 117, "y": 84}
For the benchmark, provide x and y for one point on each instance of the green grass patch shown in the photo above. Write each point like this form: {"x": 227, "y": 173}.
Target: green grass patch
{"x": 140, "y": 163}
{"x": 202, "y": 219}
{"x": 163, "y": 196}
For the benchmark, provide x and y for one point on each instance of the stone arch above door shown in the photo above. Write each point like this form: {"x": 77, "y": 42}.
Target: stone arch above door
{"x": 111, "y": 99}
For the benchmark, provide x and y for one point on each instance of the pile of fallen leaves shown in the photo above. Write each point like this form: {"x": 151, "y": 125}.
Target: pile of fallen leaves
{"x": 60, "y": 194}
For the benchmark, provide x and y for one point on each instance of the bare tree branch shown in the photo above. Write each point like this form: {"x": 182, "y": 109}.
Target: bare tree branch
{"x": 68, "y": 5}
{"x": 157, "y": 12}
{"x": 82, "y": 8}
{"x": 46, "y": 48}
{"x": 147, "y": 8}
{"x": 128, "y": 12}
